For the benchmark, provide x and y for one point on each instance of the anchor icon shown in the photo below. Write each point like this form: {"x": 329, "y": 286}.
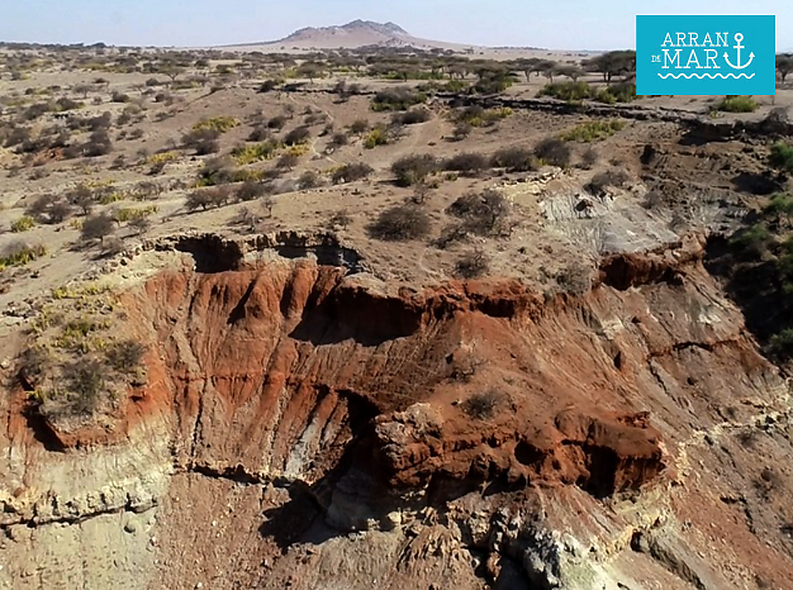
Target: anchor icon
{"x": 738, "y": 47}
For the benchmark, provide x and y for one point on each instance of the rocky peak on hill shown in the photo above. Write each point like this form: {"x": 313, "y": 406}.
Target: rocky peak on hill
{"x": 385, "y": 31}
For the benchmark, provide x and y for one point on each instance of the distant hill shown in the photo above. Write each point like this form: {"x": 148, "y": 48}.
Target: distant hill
{"x": 355, "y": 33}
{"x": 365, "y": 33}
{"x": 358, "y": 33}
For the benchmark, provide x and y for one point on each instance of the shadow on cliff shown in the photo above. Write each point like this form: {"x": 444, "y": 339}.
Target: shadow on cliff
{"x": 302, "y": 518}
{"x": 352, "y": 313}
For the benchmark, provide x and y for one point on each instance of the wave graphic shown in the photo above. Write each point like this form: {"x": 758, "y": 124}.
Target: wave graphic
{"x": 710, "y": 76}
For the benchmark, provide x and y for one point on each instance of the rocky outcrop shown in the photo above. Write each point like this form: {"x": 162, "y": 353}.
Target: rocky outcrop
{"x": 421, "y": 419}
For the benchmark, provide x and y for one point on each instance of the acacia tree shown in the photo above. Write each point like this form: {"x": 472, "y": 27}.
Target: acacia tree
{"x": 784, "y": 65}
{"x": 571, "y": 72}
{"x": 613, "y": 63}
{"x": 97, "y": 227}
{"x": 171, "y": 70}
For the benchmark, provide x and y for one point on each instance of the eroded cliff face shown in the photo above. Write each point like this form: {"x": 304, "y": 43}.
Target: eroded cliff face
{"x": 302, "y": 427}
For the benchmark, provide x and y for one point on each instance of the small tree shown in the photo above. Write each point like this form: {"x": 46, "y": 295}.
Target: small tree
{"x": 83, "y": 198}
{"x": 340, "y": 219}
{"x": 613, "y": 177}
{"x": 250, "y": 190}
{"x": 82, "y": 89}
{"x": 266, "y": 203}
{"x": 140, "y": 224}
{"x": 172, "y": 71}
{"x": 784, "y": 65}
{"x": 277, "y": 122}
{"x": 97, "y": 227}
{"x": 613, "y": 63}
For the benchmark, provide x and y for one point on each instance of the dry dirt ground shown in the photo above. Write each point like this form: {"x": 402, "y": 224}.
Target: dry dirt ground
{"x": 322, "y": 408}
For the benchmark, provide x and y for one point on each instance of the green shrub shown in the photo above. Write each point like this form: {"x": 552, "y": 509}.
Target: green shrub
{"x": 570, "y": 91}
{"x": 23, "y": 224}
{"x": 737, "y": 104}
{"x": 623, "y": 92}
{"x": 377, "y": 136}
{"x": 397, "y": 99}
{"x": 782, "y": 157}
{"x": 593, "y": 131}
{"x": 477, "y": 116}
{"x": 782, "y": 343}
{"x": 219, "y": 124}
{"x": 781, "y": 205}
{"x": 20, "y": 254}
{"x": 494, "y": 82}
{"x": 248, "y": 154}
{"x": 126, "y": 214}
{"x": 754, "y": 239}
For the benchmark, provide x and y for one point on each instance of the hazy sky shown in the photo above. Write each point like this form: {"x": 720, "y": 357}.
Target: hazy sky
{"x": 562, "y": 24}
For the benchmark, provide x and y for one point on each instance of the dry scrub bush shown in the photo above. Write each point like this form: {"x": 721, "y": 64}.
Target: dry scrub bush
{"x": 298, "y": 136}
{"x": 472, "y": 264}
{"x": 482, "y": 406}
{"x": 203, "y": 141}
{"x": 614, "y": 177}
{"x": 401, "y": 223}
{"x": 554, "y": 152}
{"x": 469, "y": 164}
{"x": 414, "y": 169}
{"x": 514, "y": 159}
{"x": 484, "y": 213}
{"x": 412, "y": 117}
{"x": 351, "y": 173}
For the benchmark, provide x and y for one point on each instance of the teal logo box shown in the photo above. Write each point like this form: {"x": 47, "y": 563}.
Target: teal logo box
{"x": 705, "y": 55}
